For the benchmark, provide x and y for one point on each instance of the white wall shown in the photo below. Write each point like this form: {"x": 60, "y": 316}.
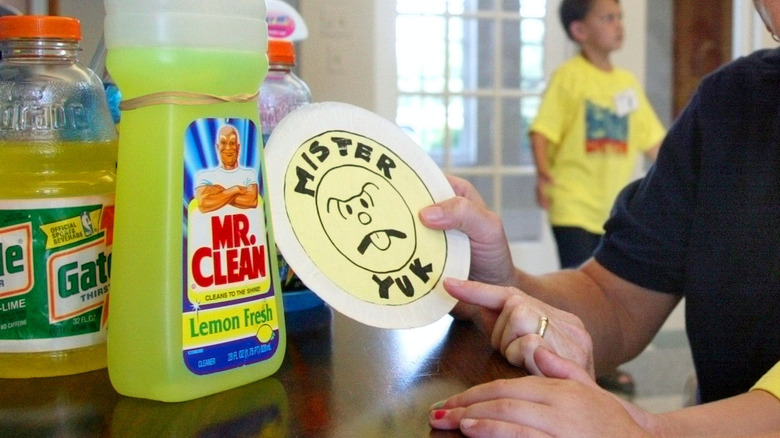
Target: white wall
{"x": 633, "y": 54}
{"x": 90, "y": 13}
{"x": 660, "y": 50}
{"x": 750, "y": 33}
{"x": 350, "y": 53}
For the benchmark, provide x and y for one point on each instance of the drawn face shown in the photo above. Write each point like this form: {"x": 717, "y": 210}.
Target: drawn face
{"x": 228, "y": 146}
{"x": 368, "y": 247}
{"x": 366, "y": 219}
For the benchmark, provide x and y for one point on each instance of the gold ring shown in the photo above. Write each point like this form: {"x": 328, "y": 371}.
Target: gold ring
{"x": 543, "y": 321}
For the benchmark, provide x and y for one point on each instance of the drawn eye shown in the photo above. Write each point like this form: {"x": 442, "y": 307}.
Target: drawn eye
{"x": 364, "y": 203}
{"x": 349, "y": 209}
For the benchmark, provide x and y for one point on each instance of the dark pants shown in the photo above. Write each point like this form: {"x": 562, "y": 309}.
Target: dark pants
{"x": 575, "y": 245}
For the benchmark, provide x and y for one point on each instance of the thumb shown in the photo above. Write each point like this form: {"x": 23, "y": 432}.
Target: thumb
{"x": 552, "y": 365}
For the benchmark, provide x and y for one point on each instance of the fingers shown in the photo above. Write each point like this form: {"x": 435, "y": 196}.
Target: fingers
{"x": 478, "y": 302}
{"x": 472, "y": 423}
{"x": 483, "y": 295}
{"x": 491, "y": 260}
{"x": 498, "y": 408}
{"x": 520, "y": 353}
{"x": 553, "y": 365}
{"x": 462, "y": 214}
{"x": 511, "y": 319}
{"x": 540, "y": 407}
{"x": 515, "y": 333}
{"x": 517, "y": 319}
{"x": 479, "y": 428}
{"x": 532, "y": 389}
{"x": 466, "y": 212}
{"x": 465, "y": 311}
{"x": 464, "y": 188}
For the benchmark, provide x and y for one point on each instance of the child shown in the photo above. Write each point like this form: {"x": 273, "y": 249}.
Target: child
{"x": 593, "y": 120}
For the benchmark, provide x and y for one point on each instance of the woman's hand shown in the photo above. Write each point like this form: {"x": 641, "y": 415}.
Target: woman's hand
{"x": 512, "y": 320}
{"x": 569, "y": 403}
{"x": 491, "y": 261}
{"x": 509, "y": 316}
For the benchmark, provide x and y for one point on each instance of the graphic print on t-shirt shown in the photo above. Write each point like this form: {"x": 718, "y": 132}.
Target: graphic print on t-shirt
{"x": 606, "y": 132}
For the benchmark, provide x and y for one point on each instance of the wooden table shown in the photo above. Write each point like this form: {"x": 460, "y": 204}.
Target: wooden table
{"x": 339, "y": 379}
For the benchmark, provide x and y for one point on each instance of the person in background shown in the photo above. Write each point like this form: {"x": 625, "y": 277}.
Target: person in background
{"x": 593, "y": 121}
{"x": 704, "y": 224}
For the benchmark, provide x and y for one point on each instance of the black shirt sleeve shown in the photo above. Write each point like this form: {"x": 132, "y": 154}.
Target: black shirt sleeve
{"x": 647, "y": 234}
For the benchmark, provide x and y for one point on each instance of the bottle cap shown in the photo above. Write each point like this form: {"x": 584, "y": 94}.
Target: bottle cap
{"x": 235, "y": 25}
{"x": 39, "y": 26}
{"x": 281, "y": 52}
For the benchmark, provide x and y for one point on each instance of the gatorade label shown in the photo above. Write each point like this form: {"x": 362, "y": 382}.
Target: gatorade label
{"x": 55, "y": 267}
{"x": 229, "y": 314}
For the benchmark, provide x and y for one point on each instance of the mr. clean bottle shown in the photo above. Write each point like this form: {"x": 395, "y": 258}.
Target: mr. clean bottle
{"x": 196, "y": 305}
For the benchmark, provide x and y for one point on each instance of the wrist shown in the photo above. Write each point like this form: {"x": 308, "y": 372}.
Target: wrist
{"x": 543, "y": 176}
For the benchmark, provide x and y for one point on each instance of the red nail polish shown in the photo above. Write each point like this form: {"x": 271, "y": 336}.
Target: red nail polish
{"x": 438, "y": 415}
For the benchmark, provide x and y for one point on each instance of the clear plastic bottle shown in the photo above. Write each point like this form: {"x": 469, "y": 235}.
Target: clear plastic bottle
{"x": 196, "y": 305}
{"x": 282, "y": 92}
{"x": 58, "y": 149}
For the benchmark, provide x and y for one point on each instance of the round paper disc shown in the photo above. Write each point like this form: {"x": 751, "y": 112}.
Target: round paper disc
{"x": 345, "y": 187}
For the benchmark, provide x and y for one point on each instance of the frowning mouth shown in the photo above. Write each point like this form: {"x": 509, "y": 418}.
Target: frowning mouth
{"x": 380, "y": 239}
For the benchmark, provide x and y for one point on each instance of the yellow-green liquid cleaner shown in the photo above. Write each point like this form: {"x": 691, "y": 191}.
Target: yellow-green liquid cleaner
{"x": 196, "y": 305}
{"x": 56, "y": 214}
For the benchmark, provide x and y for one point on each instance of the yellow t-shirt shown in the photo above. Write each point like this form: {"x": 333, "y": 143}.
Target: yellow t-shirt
{"x": 596, "y": 122}
{"x": 770, "y": 382}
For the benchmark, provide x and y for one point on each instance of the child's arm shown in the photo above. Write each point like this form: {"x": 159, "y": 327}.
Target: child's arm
{"x": 539, "y": 145}
{"x": 652, "y": 153}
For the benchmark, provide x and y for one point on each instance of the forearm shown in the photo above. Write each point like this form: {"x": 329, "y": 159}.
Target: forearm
{"x": 245, "y": 197}
{"x": 247, "y": 200}
{"x": 753, "y": 414}
{"x": 576, "y": 292}
{"x": 539, "y": 149}
{"x": 215, "y": 201}
{"x": 212, "y": 197}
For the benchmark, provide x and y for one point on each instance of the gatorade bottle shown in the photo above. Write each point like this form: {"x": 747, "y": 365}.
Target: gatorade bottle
{"x": 57, "y": 180}
{"x": 282, "y": 92}
{"x": 196, "y": 306}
